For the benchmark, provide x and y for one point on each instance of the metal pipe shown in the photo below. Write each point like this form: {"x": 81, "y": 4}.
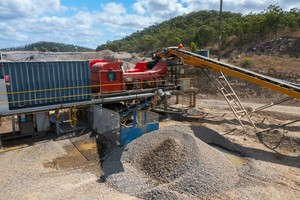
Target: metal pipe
{"x": 271, "y": 104}
{"x": 278, "y": 126}
{"x": 220, "y": 31}
{"x": 135, "y": 92}
{"x": 67, "y": 105}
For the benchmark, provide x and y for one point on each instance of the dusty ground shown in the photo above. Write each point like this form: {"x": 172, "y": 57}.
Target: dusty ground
{"x": 70, "y": 169}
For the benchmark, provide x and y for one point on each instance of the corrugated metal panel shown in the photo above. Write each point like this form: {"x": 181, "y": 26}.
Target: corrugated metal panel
{"x": 3, "y": 96}
{"x": 45, "y": 83}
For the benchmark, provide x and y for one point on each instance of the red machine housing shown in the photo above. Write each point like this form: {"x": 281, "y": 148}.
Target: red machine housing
{"x": 107, "y": 77}
{"x": 139, "y": 67}
{"x": 145, "y": 79}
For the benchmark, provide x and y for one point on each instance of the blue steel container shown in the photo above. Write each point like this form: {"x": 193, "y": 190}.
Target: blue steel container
{"x": 204, "y": 53}
{"x": 32, "y": 84}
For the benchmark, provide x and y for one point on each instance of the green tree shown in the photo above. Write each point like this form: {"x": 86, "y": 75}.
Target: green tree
{"x": 274, "y": 18}
{"x": 205, "y": 35}
{"x": 202, "y": 29}
{"x": 291, "y": 21}
{"x": 147, "y": 42}
{"x": 173, "y": 40}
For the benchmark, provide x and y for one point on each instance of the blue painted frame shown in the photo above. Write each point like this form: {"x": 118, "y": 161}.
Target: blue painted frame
{"x": 129, "y": 134}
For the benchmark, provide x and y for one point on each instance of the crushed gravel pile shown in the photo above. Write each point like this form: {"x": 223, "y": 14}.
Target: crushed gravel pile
{"x": 165, "y": 162}
{"x": 169, "y": 164}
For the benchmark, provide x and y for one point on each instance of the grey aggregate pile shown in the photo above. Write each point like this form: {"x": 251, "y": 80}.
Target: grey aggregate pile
{"x": 169, "y": 164}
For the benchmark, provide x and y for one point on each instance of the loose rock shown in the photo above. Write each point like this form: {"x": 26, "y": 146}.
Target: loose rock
{"x": 169, "y": 164}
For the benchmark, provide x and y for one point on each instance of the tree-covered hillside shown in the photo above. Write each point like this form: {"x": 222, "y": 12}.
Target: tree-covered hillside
{"x": 49, "y": 46}
{"x": 202, "y": 29}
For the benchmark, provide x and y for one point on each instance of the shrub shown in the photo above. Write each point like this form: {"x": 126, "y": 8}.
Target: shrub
{"x": 193, "y": 47}
{"x": 247, "y": 63}
{"x": 43, "y": 49}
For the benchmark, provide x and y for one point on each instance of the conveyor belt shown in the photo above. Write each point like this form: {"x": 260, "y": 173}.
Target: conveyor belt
{"x": 278, "y": 85}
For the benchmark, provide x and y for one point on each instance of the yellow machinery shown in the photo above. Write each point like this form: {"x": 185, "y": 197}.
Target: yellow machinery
{"x": 278, "y": 85}
{"x": 222, "y": 84}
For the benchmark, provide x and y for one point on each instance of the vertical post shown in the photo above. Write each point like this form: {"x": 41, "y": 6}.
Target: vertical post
{"x": 194, "y": 99}
{"x": 191, "y": 98}
{"x": 176, "y": 76}
{"x": 134, "y": 118}
{"x": 57, "y": 126}
{"x": 220, "y": 31}
{"x": 13, "y": 123}
{"x": 176, "y": 83}
{"x": 166, "y": 103}
{"x": 172, "y": 73}
{"x": 145, "y": 117}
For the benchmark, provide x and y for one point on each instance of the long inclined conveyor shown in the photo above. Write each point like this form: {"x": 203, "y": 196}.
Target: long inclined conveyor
{"x": 278, "y": 85}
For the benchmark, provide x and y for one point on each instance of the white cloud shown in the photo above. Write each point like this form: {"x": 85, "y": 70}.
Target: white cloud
{"x": 129, "y": 21}
{"x": 115, "y": 17}
{"x": 28, "y": 21}
{"x": 113, "y": 8}
{"x": 11, "y": 32}
{"x": 23, "y": 8}
{"x": 78, "y": 29}
{"x": 159, "y": 8}
{"x": 139, "y": 8}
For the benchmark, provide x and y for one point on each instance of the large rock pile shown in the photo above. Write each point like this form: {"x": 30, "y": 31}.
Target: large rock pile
{"x": 169, "y": 164}
{"x": 280, "y": 46}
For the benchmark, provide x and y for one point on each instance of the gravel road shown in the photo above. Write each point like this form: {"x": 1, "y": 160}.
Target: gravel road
{"x": 23, "y": 175}
{"x": 193, "y": 171}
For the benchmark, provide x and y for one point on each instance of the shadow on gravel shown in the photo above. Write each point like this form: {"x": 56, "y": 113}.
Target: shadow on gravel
{"x": 258, "y": 125}
{"x": 258, "y": 154}
{"x": 212, "y": 120}
{"x": 212, "y": 137}
{"x": 110, "y": 157}
{"x": 207, "y": 119}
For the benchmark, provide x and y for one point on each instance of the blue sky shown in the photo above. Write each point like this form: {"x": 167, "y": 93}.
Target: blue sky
{"x": 92, "y": 22}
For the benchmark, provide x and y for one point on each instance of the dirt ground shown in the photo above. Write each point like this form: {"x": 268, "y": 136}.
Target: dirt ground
{"x": 71, "y": 168}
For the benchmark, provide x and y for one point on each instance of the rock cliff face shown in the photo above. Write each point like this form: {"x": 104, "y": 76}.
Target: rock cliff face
{"x": 281, "y": 46}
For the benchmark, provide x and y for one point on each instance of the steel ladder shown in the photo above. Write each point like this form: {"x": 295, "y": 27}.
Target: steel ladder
{"x": 222, "y": 84}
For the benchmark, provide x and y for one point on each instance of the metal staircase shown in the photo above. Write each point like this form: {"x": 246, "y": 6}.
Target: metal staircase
{"x": 222, "y": 84}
